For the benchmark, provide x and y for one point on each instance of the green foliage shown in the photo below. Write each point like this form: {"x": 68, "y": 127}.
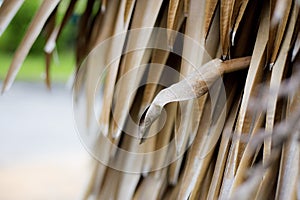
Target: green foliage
{"x": 33, "y": 68}
{"x": 14, "y": 33}
{"x": 67, "y": 39}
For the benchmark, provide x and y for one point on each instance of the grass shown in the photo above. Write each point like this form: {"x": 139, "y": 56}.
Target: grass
{"x": 33, "y": 69}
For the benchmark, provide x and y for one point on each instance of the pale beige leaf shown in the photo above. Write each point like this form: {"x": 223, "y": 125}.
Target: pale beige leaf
{"x": 199, "y": 156}
{"x": 115, "y": 50}
{"x": 254, "y": 77}
{"x": 225, "y": 25}
{"x": 276, "y": 77}
{"x": 175, "y": 7}
{"x": 241, "y": 12}
{"x": 212, "y": 39}
{"x": 201, "y": 192}
{"x": 217, "y": 123}
{"x": 150, "y": 188}
{"x": 110, "y": 185}
{"x": 164, "y": 136}
{"x": 8, "y": 9}
{"x": 194, "y": 86}
{"x": 145, "y": 15}
{"x": 51, "y": 41}
{"x": 174, "y": 170}
{"x": 160, "y": 56}
{"x": 196, "y": 55}
{"x": 84, "y": 27}
{"x": 172, "y": 193}
{"x": 268, "y": 181}
{"x": 210, "y": 9}
{"x": 128, "y": 9}
{"x": 49, "y": 27}
{"x": 107, "y": 23}
{"x": 249, "y": 189}
{"x": 279, "y": 12}
{"x": 128, "y": 181}
{"x": 103, "y": 5}
{"x": 32, "y": 33}
{"x": 203, "y": 147}
{"x": 186, "y": 7}
{"x": 216, "y": 182}
{"x": 248, "y": 156}
{"x": 289, "y": 166}
{"x": 98, "y": 55}
{"x": 283, "y": 25}
{"x": 244, "y": 118}
{"x": 287, "y": 182}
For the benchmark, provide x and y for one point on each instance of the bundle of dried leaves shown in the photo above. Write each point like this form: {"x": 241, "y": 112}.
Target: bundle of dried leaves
{"x": 246, "y": 147}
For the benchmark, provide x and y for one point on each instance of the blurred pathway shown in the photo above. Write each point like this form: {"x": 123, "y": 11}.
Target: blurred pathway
{"x": 40, "y": 153}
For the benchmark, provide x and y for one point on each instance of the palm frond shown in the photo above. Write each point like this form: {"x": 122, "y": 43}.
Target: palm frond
{"x": 245, "y": 147}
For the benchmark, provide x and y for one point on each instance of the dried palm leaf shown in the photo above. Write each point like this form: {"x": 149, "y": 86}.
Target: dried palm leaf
{"x": 277, "y": 73}
{"x": 32, "y": 33}
{"x": 243, "y": 125}
{"x": 245, "y": 147}
{"x": 8, "y": 9}
{"x": 51, "y": 41}
{"x": 121, "y": 24}
{"x": 210, "y": 10}
{"x": 225, "y": 26}
{"x": 215, "y": 186}
{"x": 194, "y": 86}
{"x": 145, "y": 16}
{"x": 93, "y": 59}
{"x": 289, "y": 166}
{"x": 49, "y": 28}
{"x": 287, "y": 7}
{"x": 241, "y": 7}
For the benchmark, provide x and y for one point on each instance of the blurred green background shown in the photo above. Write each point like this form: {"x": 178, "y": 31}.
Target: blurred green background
{"x": 33, "y": 68}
